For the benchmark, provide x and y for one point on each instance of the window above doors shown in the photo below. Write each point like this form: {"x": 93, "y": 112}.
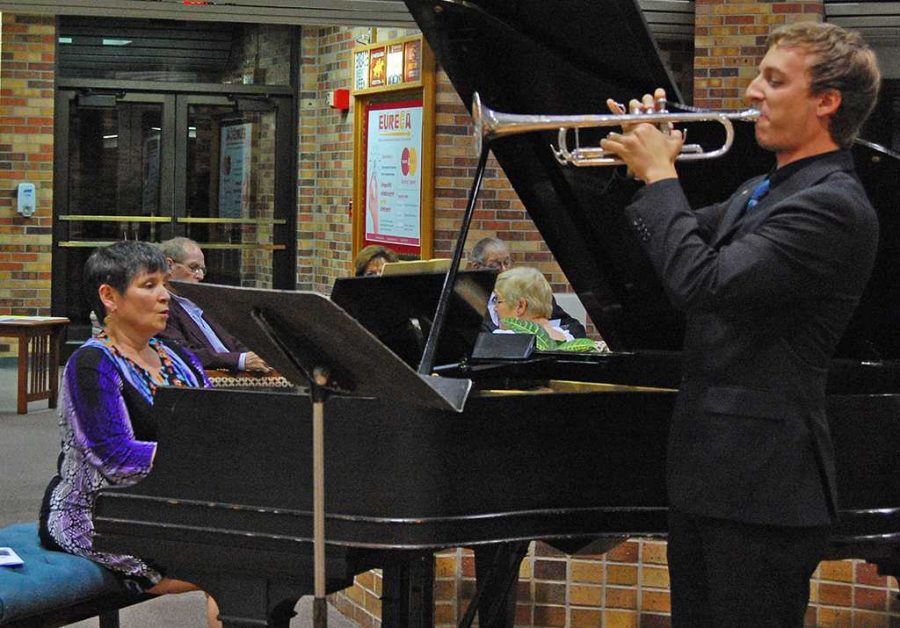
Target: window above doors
{"x": 174, "y": 51}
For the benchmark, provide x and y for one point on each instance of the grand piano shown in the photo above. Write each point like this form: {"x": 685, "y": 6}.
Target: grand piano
{"x": 565, "y": 448}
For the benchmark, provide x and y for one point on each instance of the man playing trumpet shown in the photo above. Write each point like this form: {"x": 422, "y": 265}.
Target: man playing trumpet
{"x": 768, "y": 281}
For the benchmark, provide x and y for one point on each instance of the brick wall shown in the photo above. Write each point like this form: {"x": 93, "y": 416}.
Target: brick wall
{"x": 261, "y": 55}
{"x": 307, "y": 225}
{"x": 256, "y": 263}
{"x": 499, "y": 212}
{"x": 678, "y": 56}
{"x": 325, "y": 168}
{"x": 27, "y": 55}
{"x": 626, "y": 587}
{"x": 729, "y": 42}
{"x": 262, "y": 52}
{"x": 324, "y": 245}
{"x": 325, "y": 177}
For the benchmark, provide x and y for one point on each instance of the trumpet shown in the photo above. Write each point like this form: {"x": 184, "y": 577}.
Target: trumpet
{"x": 490, "y": 125}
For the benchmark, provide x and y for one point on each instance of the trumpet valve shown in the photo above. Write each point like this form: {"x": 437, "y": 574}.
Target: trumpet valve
{"x": 662, "y": 105}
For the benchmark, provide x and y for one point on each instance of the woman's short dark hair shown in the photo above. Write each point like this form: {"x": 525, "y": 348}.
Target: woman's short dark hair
{"x": 117, "y": 265}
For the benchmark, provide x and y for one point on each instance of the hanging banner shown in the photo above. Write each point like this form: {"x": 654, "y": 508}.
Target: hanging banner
{"x": 234, "y": 170}
{"x": 393, "y": 173}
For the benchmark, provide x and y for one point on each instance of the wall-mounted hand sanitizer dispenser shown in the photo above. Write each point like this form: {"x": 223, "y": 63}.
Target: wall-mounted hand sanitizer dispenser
{"x": 27, "y": 200}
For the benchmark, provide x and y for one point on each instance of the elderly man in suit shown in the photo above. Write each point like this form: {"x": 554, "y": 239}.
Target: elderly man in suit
{"x": 768, "y": 281}
{"x": 190, "y": 326}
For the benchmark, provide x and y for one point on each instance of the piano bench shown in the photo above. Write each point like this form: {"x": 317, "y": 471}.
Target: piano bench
{"x": 55, "y": 588}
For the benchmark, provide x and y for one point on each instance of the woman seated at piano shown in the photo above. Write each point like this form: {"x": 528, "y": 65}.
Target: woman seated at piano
{"x": 105, "y": 404}
{"x": 524, "y": 301}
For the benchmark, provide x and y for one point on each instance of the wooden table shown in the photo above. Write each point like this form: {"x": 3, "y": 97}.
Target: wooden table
{"x": 40, "y": 338}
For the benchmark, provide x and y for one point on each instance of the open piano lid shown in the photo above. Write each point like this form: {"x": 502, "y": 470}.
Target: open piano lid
{"x": 538, "y": 57}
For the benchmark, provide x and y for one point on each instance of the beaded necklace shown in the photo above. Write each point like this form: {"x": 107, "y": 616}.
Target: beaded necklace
{"x": 167, "y": 374}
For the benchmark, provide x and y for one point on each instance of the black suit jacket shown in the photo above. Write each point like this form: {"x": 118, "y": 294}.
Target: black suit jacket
{"x": 766, "y": 297}
{"x": 181, "y": 329}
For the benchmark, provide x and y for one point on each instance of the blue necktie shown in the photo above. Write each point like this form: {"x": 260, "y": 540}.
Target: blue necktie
{"x": 758, "y": 192}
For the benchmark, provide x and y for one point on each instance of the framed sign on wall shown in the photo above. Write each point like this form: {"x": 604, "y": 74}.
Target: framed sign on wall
{"x": 393, "y": 182}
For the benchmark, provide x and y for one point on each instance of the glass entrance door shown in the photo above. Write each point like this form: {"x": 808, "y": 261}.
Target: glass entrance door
{"x": 228, "y": 192}
{"x": 140, "y": 166}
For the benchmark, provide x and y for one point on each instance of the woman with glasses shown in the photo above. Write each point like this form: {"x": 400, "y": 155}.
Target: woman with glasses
{"x": 493, "y": 253}
{"x": 523, "y": 294}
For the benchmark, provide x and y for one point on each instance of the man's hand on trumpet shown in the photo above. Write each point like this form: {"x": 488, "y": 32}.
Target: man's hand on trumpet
{"x": 649, "y": 153}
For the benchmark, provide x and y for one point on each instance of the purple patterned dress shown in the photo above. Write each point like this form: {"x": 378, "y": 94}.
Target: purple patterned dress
{"x": 108, "y": 434}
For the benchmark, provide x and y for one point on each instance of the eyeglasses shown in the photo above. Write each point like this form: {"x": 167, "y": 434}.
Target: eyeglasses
{"x": 499, "y": 264}
{"x": 196, "y": 269}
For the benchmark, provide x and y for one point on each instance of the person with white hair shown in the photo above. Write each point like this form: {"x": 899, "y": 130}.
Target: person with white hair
{"x": 523, "y": 294}
{"x": 493, "y": 253}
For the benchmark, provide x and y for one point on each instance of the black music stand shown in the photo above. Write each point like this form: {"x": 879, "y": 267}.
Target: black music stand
{"x": 313, "y": 342}
{"x": 296, "y": 332}
{"x": 400, "y": 309}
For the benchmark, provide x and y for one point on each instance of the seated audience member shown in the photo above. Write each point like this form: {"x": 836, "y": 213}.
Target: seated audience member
{"x": 523, "y": 294}
{"x": 493, "y": 253}
{"x": 190, "y": 326}
{"x": 106, "y": 398}
{"x": 490, "y": 253}
{"x": 370, "y": 261}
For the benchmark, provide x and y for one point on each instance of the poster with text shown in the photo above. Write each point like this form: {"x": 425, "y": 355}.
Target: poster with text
{"x": 395, "y": 64}
{"x": 394, "y": 173}
{"x": 234, "y": 171}
{"x": 150, "y": 188}
{"x": 377, "y": 67}
{"x": 412, "y": 55}
{"x": 361, "y": 70}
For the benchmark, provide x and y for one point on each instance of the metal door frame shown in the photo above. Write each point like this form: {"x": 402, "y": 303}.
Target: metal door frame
{"x": 175, "y": 99}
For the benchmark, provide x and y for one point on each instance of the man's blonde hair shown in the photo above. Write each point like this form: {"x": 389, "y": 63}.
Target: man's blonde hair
{"x": 524, "y": 282}
{"x": 843, "y": 62}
